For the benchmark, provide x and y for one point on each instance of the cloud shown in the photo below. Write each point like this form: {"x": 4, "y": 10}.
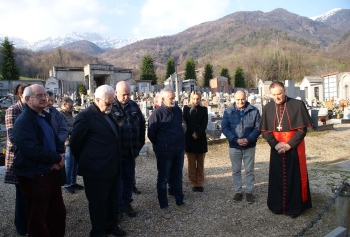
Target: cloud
{"x": 38, "y": 19}
{"x": 159, "y": 17}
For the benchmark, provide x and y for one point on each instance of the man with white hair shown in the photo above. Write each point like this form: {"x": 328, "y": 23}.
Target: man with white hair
{"x": 166, "y": 133}
{"x": 95, "y": 143}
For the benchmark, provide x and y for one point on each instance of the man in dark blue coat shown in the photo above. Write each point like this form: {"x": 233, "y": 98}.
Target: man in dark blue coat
{"x": 166, "y": 133}
{"x": 95, "y": 143}
{"x": 39, "y": 154}
{"x": 240, "y": 126}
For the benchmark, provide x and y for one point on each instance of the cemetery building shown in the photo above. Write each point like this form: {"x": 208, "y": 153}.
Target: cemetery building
{"x": 189, "y": 85}
{"x": 313, "y": 87}
{"x": 91, "y": 76}
{"x": 336, "y": 86}
{"x": 263, "y": 88}
{"x": 219, "y": 84}
{"x": 344, "y": 85}
{"x": 174, "y": 82}
{"x": 144, "y": 86}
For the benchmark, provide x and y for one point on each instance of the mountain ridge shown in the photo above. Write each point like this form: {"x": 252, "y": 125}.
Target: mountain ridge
{"x": 106, "y": 43}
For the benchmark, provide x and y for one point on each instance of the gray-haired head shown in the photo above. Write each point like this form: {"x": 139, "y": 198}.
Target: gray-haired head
{"x": 168, "y": 97}
{"x": 101, "y": 91}
{"x": 104, "y": 98}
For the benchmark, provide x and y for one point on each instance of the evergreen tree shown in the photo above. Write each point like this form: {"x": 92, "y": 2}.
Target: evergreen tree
{"x": 190, "y": 69}
{"x": 147, "y": 69}
{"x": 170, "y": 67}
{"x": 239, "y": 78}
{"x": 9, "y": 69}
{"x": 225, "y": 73}
{"x": 208, "y": 73}
{"x": 81, "y": 89}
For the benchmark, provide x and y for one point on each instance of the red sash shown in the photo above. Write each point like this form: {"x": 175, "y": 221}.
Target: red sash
{"x": 285, "y": 137}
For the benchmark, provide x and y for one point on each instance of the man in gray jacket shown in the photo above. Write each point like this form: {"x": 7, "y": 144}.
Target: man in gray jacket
{"x": 71, "y": 164}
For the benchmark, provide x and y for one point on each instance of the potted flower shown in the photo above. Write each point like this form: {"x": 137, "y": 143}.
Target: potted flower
{"x": 323, "y": 119}
{"x": 338, "y": 112}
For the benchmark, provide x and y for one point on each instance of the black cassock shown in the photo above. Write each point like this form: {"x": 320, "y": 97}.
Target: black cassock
{"x": 288, "y": 190}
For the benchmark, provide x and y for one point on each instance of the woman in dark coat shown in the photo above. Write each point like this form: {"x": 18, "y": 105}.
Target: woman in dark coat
{"x": 196, "y": 118}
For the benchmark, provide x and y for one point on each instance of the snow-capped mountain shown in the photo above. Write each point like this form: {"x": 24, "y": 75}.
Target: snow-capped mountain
{"x": 337, "y": 18}
{"x": 325, "y": 16}
{"x": 51, "y": 43}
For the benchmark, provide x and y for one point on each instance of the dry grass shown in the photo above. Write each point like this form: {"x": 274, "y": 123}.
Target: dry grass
{"x": 215, "y": 212}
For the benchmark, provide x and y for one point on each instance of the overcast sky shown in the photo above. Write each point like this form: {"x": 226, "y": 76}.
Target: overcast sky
{"x": 39, "y": 19}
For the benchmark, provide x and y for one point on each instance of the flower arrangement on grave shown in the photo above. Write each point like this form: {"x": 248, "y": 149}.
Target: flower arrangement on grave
{"x": 338, "y": 111}
{"x": 323, "y": 119}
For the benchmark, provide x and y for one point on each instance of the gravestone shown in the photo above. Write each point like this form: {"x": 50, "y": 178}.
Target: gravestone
{"x": 215, "y": 100}
{"x": 343, "y": 103}
{"x": 205, "y": 103}
{"x": 346, "y": 113}
{"x": 144, "y": 109}
{"x": 323, "y": 112}
{"x": 259, "y": 107}
{"x": 209, "y": 109}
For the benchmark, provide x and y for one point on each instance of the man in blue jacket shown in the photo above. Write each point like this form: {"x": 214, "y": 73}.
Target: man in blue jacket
{"x": 240, "y": 126}
{"x": 166, "y": 133}
{"x": 39, "y": 154}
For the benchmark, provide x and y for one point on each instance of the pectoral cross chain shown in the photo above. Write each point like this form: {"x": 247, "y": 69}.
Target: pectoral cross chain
{"x": 279, "y": 128}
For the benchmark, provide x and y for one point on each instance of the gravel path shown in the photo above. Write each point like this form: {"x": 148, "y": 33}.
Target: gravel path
{"x": 215, "y": 213}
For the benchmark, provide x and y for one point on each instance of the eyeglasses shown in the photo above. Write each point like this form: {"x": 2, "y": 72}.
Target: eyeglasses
{"x": 39, "y": 96}
{"x": 107, "y": 104}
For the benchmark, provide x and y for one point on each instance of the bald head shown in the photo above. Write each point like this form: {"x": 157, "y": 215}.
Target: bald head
{"x": 122, "y": 92}
{"x": 240, "y": 99}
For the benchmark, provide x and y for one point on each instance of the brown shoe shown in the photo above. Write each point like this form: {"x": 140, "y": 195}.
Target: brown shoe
{"x": 238, "y": 197}
{"x": 250, "y": 198}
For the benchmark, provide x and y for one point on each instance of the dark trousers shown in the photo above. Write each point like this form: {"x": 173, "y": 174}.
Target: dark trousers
{"x": 20, "y": 212}
{"x": 126, "y": 182}
{"x": 46, "y": 213}
{"x": 102, "y": 196}
{"x": 166, "y": 165}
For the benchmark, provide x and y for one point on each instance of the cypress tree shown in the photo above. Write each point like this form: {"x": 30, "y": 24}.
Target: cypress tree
{"x": 9, "y": 69}
{"x": 147, "y": 69}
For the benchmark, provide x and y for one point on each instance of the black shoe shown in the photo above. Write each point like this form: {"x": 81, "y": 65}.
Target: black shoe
{"x": 135, "y": 190}
{"x": 129, "y": 210}
{"x": 120, "y": 215}
{"x": 194, "y": 189}
{"x": 293, "y": 216}
{"x": 116, "y": 231}
{"x": 200, "y": 189}
{"x": 78, "y": 187}
{"x": 69, "y": 189}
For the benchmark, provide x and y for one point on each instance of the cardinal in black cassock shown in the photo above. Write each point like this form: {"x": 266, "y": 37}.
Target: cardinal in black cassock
{"x": 286, "y": 122}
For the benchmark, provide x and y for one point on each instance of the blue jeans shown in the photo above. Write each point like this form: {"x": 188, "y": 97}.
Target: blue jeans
{"x": 20, "y": 212}
{"x": 170, "y": 164}
{"x": 71, "y": 168}
{"x": 126, "y": 182}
